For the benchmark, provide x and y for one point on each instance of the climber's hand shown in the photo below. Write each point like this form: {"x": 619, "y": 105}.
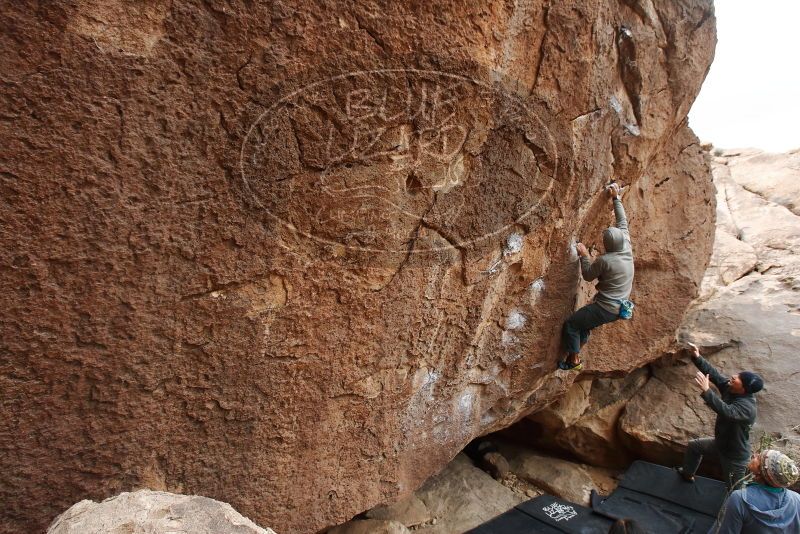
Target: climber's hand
{"x": 613, "y": 190}
{"x": 695, "y": 350}
{"x": 582, "y": 250}
{"x": 702, "y": 380}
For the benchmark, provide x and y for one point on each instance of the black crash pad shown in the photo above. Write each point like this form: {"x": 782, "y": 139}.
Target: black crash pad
{"x": 546, "y": 515}
{"x": 653, "y": 495}
{"x": 658, "y": 498}
{"x": 704, "y": 495}
{"x": 565, "y": 516}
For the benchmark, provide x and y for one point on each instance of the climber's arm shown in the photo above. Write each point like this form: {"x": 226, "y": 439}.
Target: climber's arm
{"x": 591, "y": 270}
{"x": 707, "y": 369}
{"x": 619, "y": 214}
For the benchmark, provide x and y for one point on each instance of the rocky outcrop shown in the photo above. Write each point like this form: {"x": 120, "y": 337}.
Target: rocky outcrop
{"x": 145, "y": 512}
{"x": 457, "y": 499}
{"x": 773, "y": 177}
{"x": 660, "y": 420}
{"x": 452, "y": 509}
{"x": 296, "y": 255}
{"x": 587, "y": 429}
{"x": 746, "y": 317}
{"x": 567, "y": 480}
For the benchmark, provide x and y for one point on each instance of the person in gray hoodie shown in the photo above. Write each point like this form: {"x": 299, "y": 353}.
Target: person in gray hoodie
{"x": 614, "y": 273}
{"x": 764, "y": 506}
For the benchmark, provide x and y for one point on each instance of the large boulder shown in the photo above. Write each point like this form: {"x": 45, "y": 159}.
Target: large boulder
{"x": 149, "y": 512}
{"x": 301, "y": 253}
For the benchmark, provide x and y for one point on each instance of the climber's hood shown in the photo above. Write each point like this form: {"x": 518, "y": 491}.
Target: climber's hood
{"x": 613, "y": 239}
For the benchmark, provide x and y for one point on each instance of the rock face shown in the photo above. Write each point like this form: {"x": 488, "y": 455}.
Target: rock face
{"x": 746, "y": 317}
{"x": 457, "y": 499}
{"x": 145, "y": 512}
{"x": 773, "y": 177}
{"x": 584, "y": 421}
{"x": 296, "y": 255}
{"x": 557, "y": 477}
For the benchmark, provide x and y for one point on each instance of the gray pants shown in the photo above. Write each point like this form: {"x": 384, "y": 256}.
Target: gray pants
{"x": 733, "y": 471}
{"x": 575, "y": 331}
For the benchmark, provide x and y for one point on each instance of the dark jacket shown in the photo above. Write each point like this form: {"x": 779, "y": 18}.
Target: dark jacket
{"x": 614, "y": 269}
{"x": 736, "y": 414}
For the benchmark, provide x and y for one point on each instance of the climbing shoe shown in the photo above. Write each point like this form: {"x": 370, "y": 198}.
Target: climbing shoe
{"x": 684, "y": 475}
{"x": 564, "y": 365}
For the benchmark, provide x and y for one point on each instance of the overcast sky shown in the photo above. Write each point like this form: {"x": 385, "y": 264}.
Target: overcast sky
{"x": 751, "y": 97}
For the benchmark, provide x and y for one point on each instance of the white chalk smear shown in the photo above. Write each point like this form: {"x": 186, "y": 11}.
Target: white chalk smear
{"x": 537, "y": 286}
{"x": 513, "y": 244}
{"x": 633, "y": 130}
{"x": 615, "y": 105}
{"x": 515, "y": 320}
{"x": 508, "y": 338}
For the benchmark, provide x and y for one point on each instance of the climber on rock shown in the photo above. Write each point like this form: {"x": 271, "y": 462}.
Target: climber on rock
{"x": 614, "y": 272}
{"x": 736, "y": 414}
{"x": 764, "y": 506}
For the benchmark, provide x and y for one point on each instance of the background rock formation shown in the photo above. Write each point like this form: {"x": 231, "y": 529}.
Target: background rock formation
{"x": 746, "y": 317}
{"x": 294, "y": 256}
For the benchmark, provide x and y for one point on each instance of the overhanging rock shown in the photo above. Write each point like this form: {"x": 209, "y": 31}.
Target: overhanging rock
{"x": 294, "y": 256}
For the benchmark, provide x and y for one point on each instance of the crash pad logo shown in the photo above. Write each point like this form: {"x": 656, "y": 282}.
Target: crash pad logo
{"x": 367, "y": 159}
{"x": 559, "y": 512}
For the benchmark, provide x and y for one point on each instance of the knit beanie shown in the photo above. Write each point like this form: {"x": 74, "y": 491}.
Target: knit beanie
{"x": 752, "y": 382}
{"x": 777, "y": 469}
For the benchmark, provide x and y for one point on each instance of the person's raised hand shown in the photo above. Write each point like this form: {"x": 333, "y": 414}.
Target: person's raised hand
{"x": 582, "y": 250}
{"x": 702, "y": 381}
{"x": 613, "y": 190}
{"x": 695, "y": 350}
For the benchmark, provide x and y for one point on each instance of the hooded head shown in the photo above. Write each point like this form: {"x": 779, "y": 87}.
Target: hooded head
{"x": 613, "y": 239}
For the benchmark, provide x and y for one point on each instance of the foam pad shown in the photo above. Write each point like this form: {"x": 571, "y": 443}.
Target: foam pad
{"x": 565, "y": 516}
{"x": 705, "y": 495}
{"x": 660, "y": 516}
{"x": 659, "y": 499}
{"x": 653, "y": 495}
{"x": 546, "y": 515}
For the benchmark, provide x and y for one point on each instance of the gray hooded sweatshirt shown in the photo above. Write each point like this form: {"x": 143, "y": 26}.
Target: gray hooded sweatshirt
{"x": 614, "y": 269}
